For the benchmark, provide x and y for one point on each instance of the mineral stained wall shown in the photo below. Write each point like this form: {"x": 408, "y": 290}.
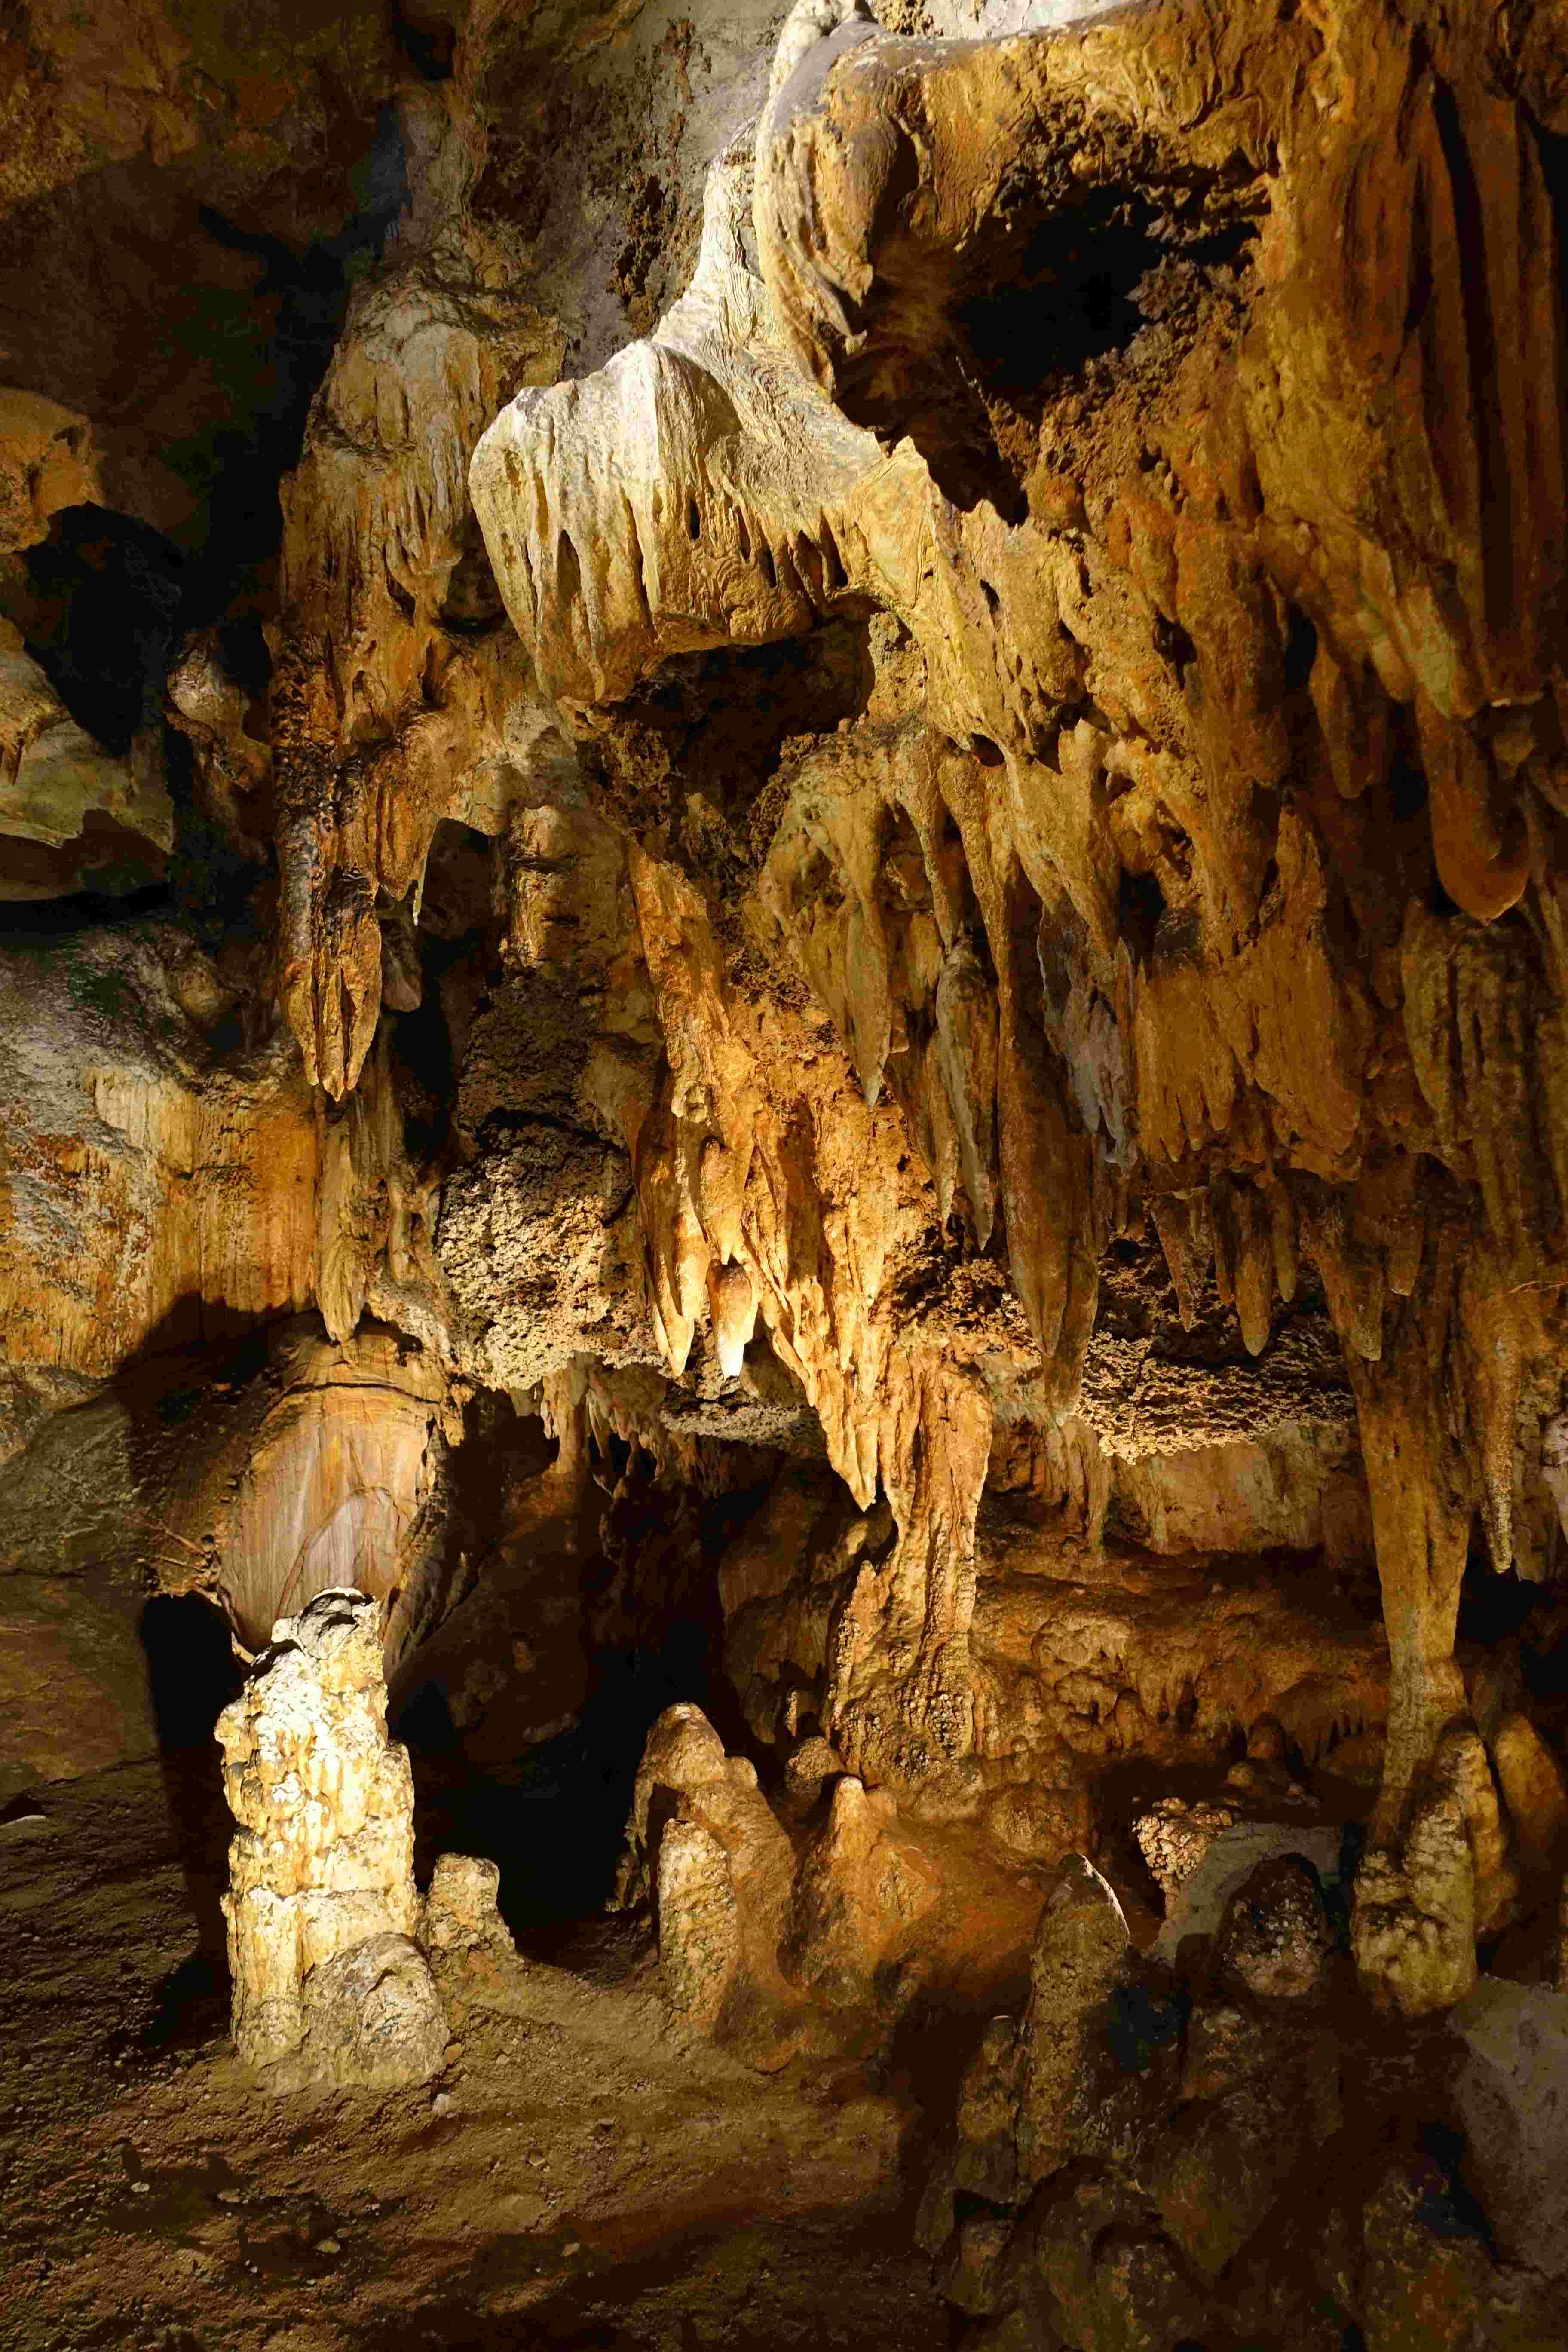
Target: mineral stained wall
{"x": 867, "y": 800}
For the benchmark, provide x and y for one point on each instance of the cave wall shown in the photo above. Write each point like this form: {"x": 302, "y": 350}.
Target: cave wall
{"x": 858, "y": 805}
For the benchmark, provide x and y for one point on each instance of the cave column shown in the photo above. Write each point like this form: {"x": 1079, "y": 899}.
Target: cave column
{"x": 1421, "y": 1533}
{"x": 900, "y": 1697}
{"x": 1435, "y": 1874}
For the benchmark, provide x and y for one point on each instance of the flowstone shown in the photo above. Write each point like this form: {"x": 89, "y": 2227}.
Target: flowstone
{"x": 330, "y": 1984}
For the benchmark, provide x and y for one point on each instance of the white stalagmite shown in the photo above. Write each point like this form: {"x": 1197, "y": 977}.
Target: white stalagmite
{"x": 330, "y": 1985}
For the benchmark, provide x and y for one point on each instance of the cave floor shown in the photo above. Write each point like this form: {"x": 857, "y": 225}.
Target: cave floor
{"x": 599, "y": 2177}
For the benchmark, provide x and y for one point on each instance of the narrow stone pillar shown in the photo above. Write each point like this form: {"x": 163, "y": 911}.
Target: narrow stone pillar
{"x": 329, "y": 1984}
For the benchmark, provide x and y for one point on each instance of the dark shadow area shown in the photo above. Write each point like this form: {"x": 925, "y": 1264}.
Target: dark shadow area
{"x": 936, "y": 2037}
{"x": 1081, "y": 290}
{"x": 427, "y": 38}
{"x": 212, "y": 337}
{"x": 108, "y": 596}
{"x": 1048, "y": 297}
{"x": 1492, "y": 1608}
{"x": 307, "y": 294}
{"x": 725, "y": 715}
{"x": 1524, "y": 1628}
{"x": 580, "y": 2311}
{"x": 553, "y": 1818}
{"x": 191, "y": 1675}
{"x": 552, "y": 1813}
{"x": 77, "y": 910}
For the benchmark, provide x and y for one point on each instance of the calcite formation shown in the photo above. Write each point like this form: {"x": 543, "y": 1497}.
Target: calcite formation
{"x": 773, "y": 1921}
{"x": 1139, "y": 2160}
{"x": 71, "y": 812}
{"x": 1508, "y": 2094}
{"x": 1188, "y": 891}
{"x": 330, "y": 1982}
{"x": 254, "y": 1475}
{"x": 804, "y": 888}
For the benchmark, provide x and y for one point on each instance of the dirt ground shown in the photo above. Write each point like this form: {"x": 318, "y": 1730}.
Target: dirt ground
{"x": 582, "y": 2175}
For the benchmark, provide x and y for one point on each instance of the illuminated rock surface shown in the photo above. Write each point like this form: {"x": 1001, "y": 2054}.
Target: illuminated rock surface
{"x": 782, "y": 1017}
{"x": 330, "y": 1984}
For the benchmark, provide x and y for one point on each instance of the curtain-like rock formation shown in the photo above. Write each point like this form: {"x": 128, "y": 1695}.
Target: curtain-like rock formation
{"x": 1117, "y": 410}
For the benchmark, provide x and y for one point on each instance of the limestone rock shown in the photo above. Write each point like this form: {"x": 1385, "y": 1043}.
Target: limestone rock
{"x": 941, "y": 855}
{"x": 1161, "y": 1656}
{"x": 256, "y": 1475}
{"x": 1510, "y": 2088}
{"x": 1080, "y": 1951}
{"x": 683, "y": 1753}
{"x": 537, "y": 1245}
{"x": 1101, "y": 2040}
{"x": 1144, "y": 2300}
{"x": 1420, "y": 1945}
{"x": 428, "y": 346}
{"x": 773, "y": 1924}
{"x": 1274, "y": 1938}
{"x": 971, "y": 2276}
{"x": 460, "y": 1917}
{"x": 979, "y": 2158}
{"x": 48, "y": 460}
{"x": 1415, "y": 1917}
{"x": 1530, "y": 1780}
{"x": 227, "y": 734}
{"x": 699, "y": 1921}
{"x": 1173, "y": 1837}
{"x": 163, "y": 1188}
{"x": 1204, "y": 1897}
{"x": 705, "y": 1850}
{"x": 73, "y": 816}
{"x": 987, "y": 2113}
{"x": 1425, "y": 2274}
{"x": 857, "y": 1890}
{"x": 372, "y": 2017}
{"x": 330, "y": 1985}
{"x": 809, "y": 1767}
{"x": 1215, "y": 2173}
{"x": 1234, "y": 1070}
{"x": 1093, "y": 2252}
{"x": 1041, "y": 1823}
{"x": 74, "y": 1695}
{"x": 1238, "y": 2046}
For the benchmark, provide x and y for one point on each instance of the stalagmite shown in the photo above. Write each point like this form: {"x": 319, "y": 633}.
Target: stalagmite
{"x": 330, "y": 1982}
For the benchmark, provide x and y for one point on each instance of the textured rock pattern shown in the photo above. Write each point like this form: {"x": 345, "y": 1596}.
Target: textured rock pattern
{"x": 329, "y": 1982}
{"x": 767, "y": 1920}
{"x": 796, "y": 890}
{"x": 1511, "y": 2091}
{"x": 256, "y": 1476}
{"x": 460, "y": 1917}
{"x": 937, "y": 853}
{"x": 1238, "y": 2182}
{"x": 1274, "y": 1940}
{"x": 1202, "y": 1898}
{"x": 1110, "y": 650}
